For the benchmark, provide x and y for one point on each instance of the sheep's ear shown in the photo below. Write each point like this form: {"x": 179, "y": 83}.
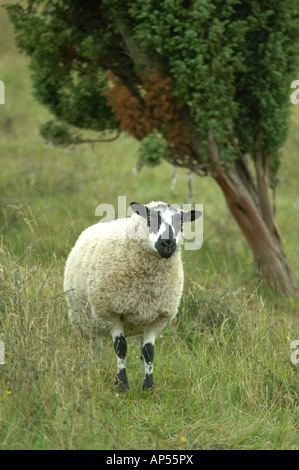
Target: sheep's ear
{"x": 189, "y": 216}
{"x": 139, "y": 209}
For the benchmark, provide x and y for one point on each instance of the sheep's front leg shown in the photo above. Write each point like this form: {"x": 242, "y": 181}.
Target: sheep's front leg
{"x": 120, "y": 348}
{"x": 147, "y": 351}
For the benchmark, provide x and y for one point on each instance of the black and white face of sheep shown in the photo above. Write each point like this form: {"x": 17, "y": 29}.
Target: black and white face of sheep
{"x": 165, "y": 225}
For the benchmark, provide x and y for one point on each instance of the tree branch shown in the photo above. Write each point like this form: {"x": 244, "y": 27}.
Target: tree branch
{"x": 93, "y": 141}
{"x": 134, "y": 51}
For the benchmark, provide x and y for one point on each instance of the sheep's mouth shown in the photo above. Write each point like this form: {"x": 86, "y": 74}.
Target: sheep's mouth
{"x": 165, "y": 255}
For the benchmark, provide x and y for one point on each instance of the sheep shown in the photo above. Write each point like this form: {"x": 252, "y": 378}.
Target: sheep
{"x": 125, "y": 278}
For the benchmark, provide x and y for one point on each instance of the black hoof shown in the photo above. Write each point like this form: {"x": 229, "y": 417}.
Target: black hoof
{"x": 148, "y": 384}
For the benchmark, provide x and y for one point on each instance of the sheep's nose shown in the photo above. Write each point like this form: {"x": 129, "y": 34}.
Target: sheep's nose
{"x": 165, "y": 247}
{"x": 168, "y": 243}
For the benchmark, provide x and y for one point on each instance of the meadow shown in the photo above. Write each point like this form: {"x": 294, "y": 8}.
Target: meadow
{"x": 223, "y": 371}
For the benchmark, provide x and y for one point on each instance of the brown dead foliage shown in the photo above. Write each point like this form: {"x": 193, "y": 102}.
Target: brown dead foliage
{"x": 133, "y": 115}
{"x": 156, "y": 109}
{"x": 164, "y": 108}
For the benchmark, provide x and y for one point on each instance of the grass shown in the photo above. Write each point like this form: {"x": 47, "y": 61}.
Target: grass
{"x": 224, "y": 379}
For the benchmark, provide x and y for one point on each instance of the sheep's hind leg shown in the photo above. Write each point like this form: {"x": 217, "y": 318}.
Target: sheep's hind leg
{"x": 120, "y": 348}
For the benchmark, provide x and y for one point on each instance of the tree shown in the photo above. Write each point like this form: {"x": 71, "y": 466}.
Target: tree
{"x": 204, "y": 84}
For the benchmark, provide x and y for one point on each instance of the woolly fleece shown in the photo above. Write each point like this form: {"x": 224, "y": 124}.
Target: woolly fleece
{"x": 112, "y": 275}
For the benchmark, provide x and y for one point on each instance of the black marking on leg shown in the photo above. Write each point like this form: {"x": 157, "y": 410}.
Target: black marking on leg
{"x": 122, "y": 380}
{"x": 120, "y": 346}
{"x": 148, "y": 352}
{"x": 148, "y": 383}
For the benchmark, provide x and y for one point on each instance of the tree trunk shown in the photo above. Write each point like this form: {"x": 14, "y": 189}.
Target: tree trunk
{"x": 252, "y": 210}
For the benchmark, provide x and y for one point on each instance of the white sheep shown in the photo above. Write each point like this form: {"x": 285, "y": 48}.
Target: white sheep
{"x": 125, "y": 278}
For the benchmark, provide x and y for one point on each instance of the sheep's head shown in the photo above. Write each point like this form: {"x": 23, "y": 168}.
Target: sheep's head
{"x": 164, "y": 225}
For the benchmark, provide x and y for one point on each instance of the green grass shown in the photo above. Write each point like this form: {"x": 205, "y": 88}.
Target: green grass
{"x": 224, "y": 379}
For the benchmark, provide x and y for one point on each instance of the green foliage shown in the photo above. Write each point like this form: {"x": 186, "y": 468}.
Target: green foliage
{"x": 231, "y": 62}
{"x": 198, "y": 47}
{"x": 65, "y": 61}
{"x": 58, "y": 134}
{"x": 151, "y": 151}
